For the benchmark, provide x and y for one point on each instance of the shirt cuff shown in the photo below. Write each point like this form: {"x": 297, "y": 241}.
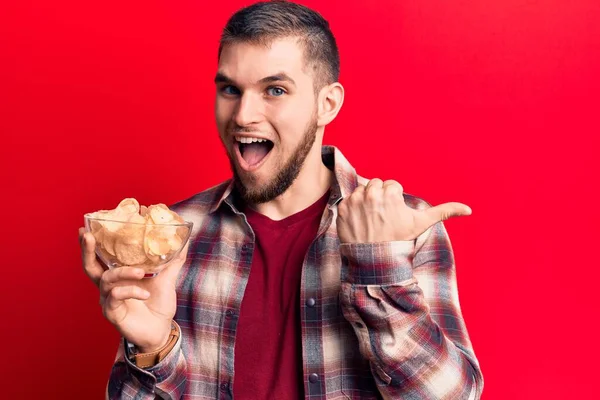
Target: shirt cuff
{"x": 381, "y": 263}
{"x": 158, "y": 373}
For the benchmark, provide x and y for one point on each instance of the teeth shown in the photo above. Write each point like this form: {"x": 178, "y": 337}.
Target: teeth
{"x": 249, "y": 140}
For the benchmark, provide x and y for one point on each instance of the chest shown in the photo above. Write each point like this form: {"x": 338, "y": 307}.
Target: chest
{"x": 212, "y": 286}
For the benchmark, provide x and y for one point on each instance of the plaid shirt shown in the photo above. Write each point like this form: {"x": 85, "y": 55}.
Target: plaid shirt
{"x": 383, "y": 320}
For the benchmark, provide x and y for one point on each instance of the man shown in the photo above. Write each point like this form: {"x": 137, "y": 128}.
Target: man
{"x": 302, "y": 279}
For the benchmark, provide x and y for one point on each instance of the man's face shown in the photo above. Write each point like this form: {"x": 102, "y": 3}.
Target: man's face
{"x": 265, "y": 110}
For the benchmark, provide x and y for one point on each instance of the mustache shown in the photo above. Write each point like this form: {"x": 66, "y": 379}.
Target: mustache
{"x": 240, "y": 129}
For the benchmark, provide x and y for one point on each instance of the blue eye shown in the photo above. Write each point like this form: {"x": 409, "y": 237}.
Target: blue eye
{"x": 231, "y": 90}
{"x": 276, "y": 91}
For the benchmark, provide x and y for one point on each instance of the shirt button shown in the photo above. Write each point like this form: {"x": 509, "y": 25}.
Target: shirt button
{"x": 229, "y": 313}
{"x": 311, "y": 302}
{"x": 313, "y": 378}
{"x": 224, "y": 386}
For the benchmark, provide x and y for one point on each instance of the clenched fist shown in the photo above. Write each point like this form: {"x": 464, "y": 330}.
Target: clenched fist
{"x": 377, "y": 213}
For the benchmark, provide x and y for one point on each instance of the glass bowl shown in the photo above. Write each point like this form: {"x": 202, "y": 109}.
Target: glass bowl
{"x": 135, "y": 244}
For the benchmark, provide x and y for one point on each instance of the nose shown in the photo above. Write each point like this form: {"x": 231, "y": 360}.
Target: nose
{"x": 248, "y": 110}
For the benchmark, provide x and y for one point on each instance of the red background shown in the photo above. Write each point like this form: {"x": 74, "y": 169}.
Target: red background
{"x": 493, "y": 103}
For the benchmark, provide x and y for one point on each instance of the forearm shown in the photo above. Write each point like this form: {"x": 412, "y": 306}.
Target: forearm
{"x": 411, "y": 355}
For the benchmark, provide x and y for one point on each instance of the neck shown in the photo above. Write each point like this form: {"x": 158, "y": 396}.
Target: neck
{"x": 311, "y": 184}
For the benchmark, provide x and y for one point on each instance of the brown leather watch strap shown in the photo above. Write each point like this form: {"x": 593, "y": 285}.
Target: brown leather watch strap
{"x": 147, "y": 360}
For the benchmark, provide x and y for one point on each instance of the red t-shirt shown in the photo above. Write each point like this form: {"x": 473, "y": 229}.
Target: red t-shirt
{"x": 268, "y": 346}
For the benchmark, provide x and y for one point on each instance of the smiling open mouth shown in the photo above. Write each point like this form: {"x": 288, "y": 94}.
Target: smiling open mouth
{"x": 254, "y": 152}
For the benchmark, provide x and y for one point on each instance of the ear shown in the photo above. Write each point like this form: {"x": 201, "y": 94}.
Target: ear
{"x": 330, "y": 100}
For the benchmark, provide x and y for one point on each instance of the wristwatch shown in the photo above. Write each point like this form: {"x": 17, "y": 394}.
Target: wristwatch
{"x": 147, "y": 360}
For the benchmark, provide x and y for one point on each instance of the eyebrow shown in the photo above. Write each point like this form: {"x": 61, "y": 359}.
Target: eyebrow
{"x": 278, "y": 77}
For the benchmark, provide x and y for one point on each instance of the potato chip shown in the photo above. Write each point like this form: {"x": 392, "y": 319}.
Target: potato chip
{"x": 96, "y": 226}
{"x": 182, "y": 232}
{"x": 160, "y": 214}
{"x": 129, "y": 241}
{"x": 159, "y": 246}
{"x": 156, "y": 243}
{"x": 130, "y": 252}
{"x": 138, "y": 219}
{"x": 128, "y": 206}
{"x": 97, "y": 230}
{"x": 133, "y": 234}
{"x": 175, "y": 242}
{"x": 108, "y": 242}
{"x": 112, "y": 226}
{"x": 104, "y": 254}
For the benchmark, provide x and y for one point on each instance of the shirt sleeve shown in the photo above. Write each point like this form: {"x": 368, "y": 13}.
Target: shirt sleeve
{"x": 402, "y": 300}
{"x": 166, "y": 380}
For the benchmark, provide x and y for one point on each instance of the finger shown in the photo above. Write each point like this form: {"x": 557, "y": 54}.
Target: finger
{"x": 392, "y": 185}
{"x": 122, "y": 276}
{"x": 359, "y": 189}
{"x": 105, "y": 289}
{"x": 91, "y": 266}
{"x": 122, "y": 273}
{"x": 393, "y": 193}
{"x": 374, "y": 183}
{"x": 445, "y": 211}
{"x": 116, "y": 299}
{"x": 356, "y": 196}
{"x": 374, "y": 191}
{"x": 121, "y": 293}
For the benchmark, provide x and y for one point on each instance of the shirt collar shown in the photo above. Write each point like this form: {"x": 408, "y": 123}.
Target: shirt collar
{"x": 344, "y": 183}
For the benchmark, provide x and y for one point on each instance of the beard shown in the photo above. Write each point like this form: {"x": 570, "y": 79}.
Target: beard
{"x": 284, "y": 177}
